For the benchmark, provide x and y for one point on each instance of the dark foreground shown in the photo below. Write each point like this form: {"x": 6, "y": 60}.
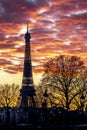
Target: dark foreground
{"x": 30, "y": 127}
{"x": 51, "y": 127}
{"x": 27, "y": 127}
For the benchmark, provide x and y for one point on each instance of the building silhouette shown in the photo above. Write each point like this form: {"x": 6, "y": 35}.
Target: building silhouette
{"x": 27, "y": 91}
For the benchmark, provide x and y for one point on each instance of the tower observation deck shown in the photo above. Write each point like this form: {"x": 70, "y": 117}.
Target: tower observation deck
{"x": 27, "y": 91}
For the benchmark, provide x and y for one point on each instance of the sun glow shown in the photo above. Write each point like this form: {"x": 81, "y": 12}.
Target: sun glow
{"x": 23, "y": 30}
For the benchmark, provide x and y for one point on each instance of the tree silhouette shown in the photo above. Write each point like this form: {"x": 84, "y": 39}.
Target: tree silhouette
{"x": 62, "y": 78}
{"x": 9, "y": 95}
{"x": 39, "y": 94}
{"x": 82, "y": 91}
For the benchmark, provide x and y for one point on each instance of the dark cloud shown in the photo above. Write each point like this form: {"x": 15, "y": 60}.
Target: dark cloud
{"x": 4, "y": 62}
{"x": 16, "y": 11}
{"x": 13, "y": 69}
{"x": 79, "y": 15}
{"x": 6, "y": 46}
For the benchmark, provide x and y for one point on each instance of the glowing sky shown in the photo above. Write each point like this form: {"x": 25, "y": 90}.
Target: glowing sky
{"x": 56, "y": 27}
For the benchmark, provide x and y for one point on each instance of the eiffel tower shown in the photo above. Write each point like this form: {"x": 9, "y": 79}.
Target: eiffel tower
{"x": 27, "y": 91}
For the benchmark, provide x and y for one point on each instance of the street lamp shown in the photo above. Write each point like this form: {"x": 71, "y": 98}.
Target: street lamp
{"x": 45, "y": 99}
{"x": 44, "y": 106}
{"x": 82, "y": 98}
{"x": 45, "y": 96}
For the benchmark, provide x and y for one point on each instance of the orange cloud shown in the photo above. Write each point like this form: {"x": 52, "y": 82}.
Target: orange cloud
{"x": 56, "y": 27}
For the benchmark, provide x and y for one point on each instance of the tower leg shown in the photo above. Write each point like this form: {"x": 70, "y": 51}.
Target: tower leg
{"x": 24, "y": 101}
{"x": 33, "y": 101}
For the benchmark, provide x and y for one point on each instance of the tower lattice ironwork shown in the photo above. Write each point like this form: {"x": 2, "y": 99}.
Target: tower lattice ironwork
{"x": 27, "y": 91}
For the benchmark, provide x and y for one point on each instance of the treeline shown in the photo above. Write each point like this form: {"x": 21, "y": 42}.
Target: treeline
{"x": 64, "y": 79}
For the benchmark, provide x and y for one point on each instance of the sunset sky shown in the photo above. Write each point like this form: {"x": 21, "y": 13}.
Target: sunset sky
{"x": 56, "y": 26}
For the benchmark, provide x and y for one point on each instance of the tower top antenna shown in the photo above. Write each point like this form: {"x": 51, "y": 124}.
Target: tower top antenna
{"x": 27, "y": 27}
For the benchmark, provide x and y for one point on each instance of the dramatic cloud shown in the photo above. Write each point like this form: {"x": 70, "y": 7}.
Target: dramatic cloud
{"x": 56, "y": 27}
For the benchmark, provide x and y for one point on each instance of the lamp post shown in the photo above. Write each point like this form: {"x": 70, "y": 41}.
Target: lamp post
{"x": 44, "y": 106}
{"x": 8, "y": 111}
{"x": 45, "y": 98}
{"x": 82, "y": 99}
